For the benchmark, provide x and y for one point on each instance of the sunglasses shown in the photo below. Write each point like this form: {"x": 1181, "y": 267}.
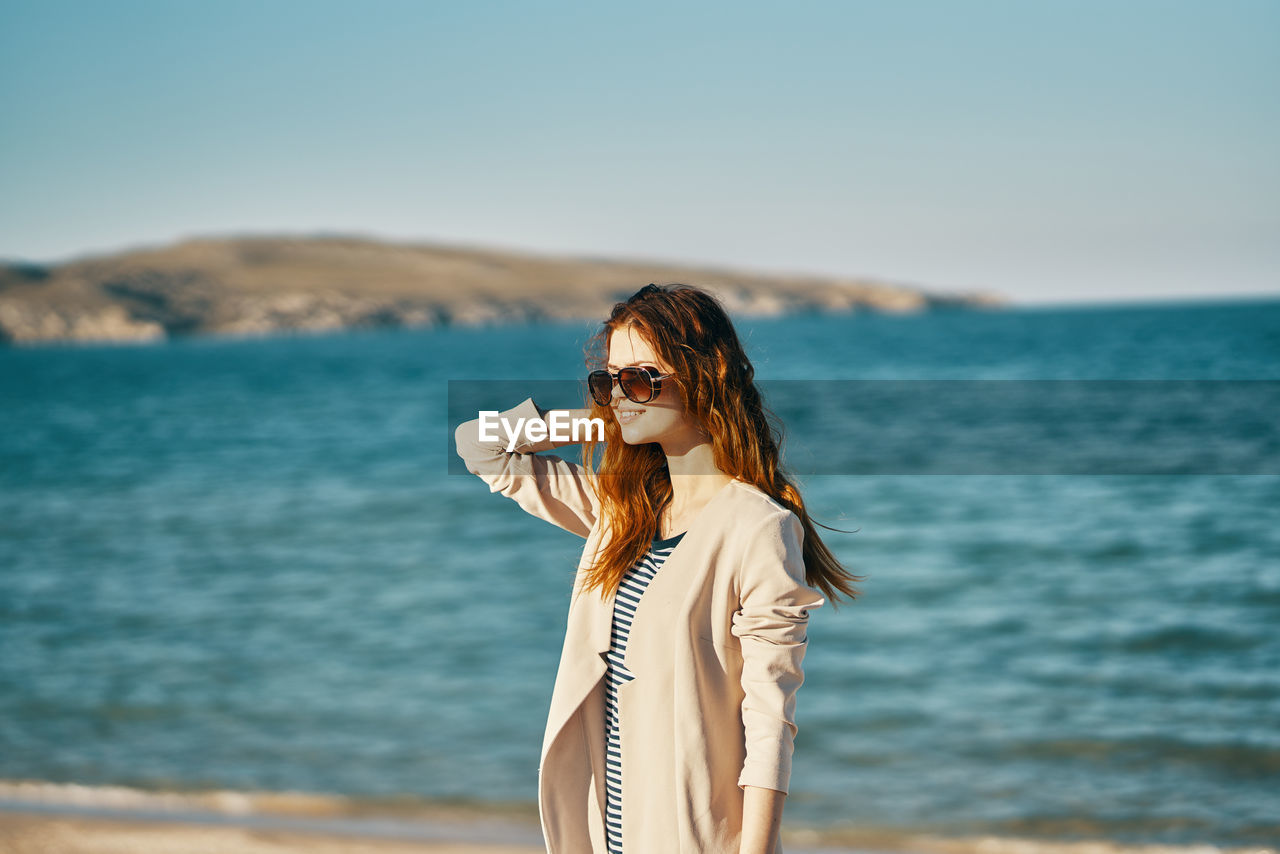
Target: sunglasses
{"x": 639, "y": 384}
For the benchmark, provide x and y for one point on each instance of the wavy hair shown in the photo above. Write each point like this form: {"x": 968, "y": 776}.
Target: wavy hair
{"x": 690, "y": 330}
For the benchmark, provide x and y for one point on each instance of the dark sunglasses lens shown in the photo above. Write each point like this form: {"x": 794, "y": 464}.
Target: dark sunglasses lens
{"x": 636, "y": 384}
{"x": 601, "y": 385}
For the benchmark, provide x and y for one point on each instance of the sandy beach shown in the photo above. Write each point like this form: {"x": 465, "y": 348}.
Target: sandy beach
{"x": 42, "y": 832}
{"x": 39, "y": 817}
{"x": 39, "y": 833}
{"x": 62, "y": 818}
{"x": 60, "y": 833}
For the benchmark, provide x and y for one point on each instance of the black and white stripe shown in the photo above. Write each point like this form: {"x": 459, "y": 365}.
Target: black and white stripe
{"x": 634, "y": 583}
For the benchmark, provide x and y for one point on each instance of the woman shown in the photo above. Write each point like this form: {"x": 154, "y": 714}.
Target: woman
{"x": 672, "y": 719}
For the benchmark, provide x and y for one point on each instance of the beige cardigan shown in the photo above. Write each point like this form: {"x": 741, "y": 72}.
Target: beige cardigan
{"x": 716, "y": 648}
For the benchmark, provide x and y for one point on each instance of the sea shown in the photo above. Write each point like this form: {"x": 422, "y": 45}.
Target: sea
{"x": 254, "y": 565}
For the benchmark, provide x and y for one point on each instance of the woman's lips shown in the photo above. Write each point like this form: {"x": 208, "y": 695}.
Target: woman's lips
{"x": 626, "y": 416}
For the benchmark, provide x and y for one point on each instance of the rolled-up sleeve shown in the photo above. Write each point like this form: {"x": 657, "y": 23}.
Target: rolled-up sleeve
{"x": 771, "y": 624}
{"x": 545, "y": 485}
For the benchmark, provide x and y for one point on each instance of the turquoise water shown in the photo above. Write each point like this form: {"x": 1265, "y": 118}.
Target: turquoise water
{"x": 244, "y": 564}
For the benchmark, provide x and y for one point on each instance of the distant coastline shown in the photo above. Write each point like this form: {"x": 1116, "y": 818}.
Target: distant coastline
{"x": 271, "y": 284}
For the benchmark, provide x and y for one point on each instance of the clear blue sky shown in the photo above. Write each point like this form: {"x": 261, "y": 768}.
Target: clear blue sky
{"x": 1053, "y": 151}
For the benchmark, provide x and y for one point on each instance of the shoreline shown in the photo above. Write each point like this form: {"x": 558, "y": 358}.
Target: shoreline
{"x": 38, "y": 817}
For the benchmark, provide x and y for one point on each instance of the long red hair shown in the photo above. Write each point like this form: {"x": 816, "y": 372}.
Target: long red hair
{"x": 690, "y": 330}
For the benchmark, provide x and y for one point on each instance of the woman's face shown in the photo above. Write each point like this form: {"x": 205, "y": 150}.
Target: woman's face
{"x": 663, "y": 419}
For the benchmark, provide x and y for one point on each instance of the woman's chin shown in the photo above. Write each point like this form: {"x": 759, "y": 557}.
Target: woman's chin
{"x": 633, "y": 436}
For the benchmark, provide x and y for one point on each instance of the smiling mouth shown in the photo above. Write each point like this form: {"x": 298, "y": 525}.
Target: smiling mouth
{"x": 626, "y": 416}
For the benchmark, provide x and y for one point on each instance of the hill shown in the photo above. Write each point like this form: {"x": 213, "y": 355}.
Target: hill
{"x": 265, "y": 285}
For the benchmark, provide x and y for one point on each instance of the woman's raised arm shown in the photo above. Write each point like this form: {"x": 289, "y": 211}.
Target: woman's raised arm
{"x": 547, "y": 486}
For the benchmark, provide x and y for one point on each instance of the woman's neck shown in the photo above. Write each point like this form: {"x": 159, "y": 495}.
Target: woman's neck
{"x": 689, "y": 494}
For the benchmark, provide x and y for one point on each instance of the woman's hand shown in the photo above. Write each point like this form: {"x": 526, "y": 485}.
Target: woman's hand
{"x": 761, "y": 819}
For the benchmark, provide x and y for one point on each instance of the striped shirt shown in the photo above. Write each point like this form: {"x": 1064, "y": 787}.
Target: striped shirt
{"x": 634, "y": 582}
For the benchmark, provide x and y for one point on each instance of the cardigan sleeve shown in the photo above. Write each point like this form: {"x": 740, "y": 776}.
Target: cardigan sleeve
{"x": 771, "y": 624}
{"x": 546, "y": 486}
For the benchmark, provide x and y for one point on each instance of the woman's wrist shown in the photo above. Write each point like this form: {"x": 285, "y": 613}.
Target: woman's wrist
{"x": 761, "y": 819}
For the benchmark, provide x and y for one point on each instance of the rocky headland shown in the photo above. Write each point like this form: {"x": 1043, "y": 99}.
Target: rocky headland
{"x": 268, "y": 285}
